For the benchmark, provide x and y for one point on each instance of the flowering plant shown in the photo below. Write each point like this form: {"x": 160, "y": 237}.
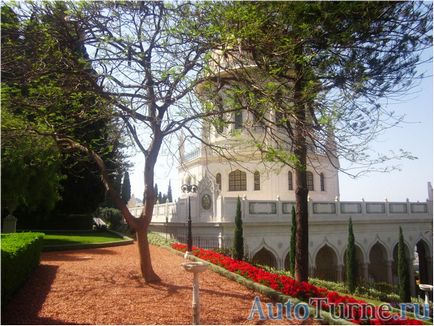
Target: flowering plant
{"x": 302, "y": 290}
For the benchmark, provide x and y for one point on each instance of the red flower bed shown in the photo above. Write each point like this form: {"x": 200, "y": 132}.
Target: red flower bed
{"x": 300, "y": 290}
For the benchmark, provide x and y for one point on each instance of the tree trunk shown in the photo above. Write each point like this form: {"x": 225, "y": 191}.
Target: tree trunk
{"x": 140, "y": 224}
{"x": 301, "y": 191}
{"x": 145, "y": 255}
{"x": 302, "y": 231}
{"x": 148, "y": 208}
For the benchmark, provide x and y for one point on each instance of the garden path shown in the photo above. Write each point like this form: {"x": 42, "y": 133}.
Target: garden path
{"x": 104, "y": 286}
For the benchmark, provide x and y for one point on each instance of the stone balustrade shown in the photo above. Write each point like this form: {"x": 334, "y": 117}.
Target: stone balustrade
{"x": 275, "y": 211}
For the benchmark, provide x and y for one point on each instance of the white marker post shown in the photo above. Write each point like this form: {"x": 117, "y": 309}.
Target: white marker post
{"x": 195, "y": 268}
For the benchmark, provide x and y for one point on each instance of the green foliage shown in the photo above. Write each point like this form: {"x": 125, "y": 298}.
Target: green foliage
{"x": 112, "y": 216}
{"x": 350, "y": 260}
{"x": 126, "y": 188}
{"x": 293, "y": 242}
{"x": 378, "y": 291}
{"x": 156, "y": 193}
{"x": 159, "y": 240}
{"x": 403, "y": 270}
{"x": 30, "y": 166}
{"x": 375, "y": 291}
{"x": 169, "y": 193}
{"x": 238, "y": 245}
{"x": 20, "y": 255}
{"x": 49, "y": 92}
{"x": 347, "y": 65}
{"x": 330, "y": 75}
{"x": 225, "y": 251}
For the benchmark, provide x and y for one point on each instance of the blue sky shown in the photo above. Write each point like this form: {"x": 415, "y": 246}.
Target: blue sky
{"x": 410, "y": 181}
{"x": 415, "y": 136}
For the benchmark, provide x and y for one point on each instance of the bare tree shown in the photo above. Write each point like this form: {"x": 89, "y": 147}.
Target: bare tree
{"x": 148, "y": 63}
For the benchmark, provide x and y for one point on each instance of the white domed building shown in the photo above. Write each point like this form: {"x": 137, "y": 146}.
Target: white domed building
{"x": 267, "y": 194}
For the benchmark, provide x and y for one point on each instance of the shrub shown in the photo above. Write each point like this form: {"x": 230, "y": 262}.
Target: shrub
{"x": 350, "y": 259}
{"x": 224, "y": 251}
{"x": 20, "y": 254}
{"x": 64, "y": 222}
{"x": 377, "y": 291}
{"x": 159, "y": 240}
{"x": 301, "y": 290}
{"x": 403, "y": 270}
{"x": 238, "y": 245}
{"x": 112, "y": 216}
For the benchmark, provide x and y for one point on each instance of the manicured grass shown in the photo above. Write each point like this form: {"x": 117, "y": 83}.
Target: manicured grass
{"x": 65, "y": 238}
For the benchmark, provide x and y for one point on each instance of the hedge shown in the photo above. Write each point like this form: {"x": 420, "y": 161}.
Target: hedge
{"x": 20, "y": 255}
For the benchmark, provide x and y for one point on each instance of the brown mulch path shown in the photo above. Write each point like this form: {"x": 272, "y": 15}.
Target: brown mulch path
{"x": 104, "y": 286}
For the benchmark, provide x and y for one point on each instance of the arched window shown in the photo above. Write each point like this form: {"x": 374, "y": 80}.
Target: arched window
{"x": 237, "y": 181}
{"x": 218, "y": 180}
{"x": 309, "y": 180}
{"x": 290, "y": 185}
{"x": 256, "y": 181}
{"x": 321, "y": 180}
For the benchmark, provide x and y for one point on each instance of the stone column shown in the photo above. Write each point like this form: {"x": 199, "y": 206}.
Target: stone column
{"x": 310, "y": 206}
{"x": 365, "y": 272}
{"x": 389, "y": 272}
{"x": 196, "y": 302}
{"x": 339, "y": 273}
{"x": 220, "y": 239}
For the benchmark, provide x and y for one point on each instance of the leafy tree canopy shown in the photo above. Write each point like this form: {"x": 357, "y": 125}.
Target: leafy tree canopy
{"x": 47, "y": 93}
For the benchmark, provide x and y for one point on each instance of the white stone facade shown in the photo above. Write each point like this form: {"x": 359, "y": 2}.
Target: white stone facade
{"x": 267, "y": 191}
{"x": 266, "y": 224}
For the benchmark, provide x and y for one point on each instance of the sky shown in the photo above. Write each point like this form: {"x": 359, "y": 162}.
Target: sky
{"x": 409, "y": 182}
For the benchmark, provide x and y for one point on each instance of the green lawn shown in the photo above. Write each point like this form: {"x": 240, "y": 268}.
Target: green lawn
{"x": 65, "y": 238}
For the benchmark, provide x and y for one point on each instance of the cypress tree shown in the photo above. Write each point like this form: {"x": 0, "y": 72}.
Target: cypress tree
{"x": 292, "y": 243}
{"x": 403, "y": 271}
{"x": 350, "y": 259}
{"x": 238, "y": 245}
{"x": 156, "y": 192}
{"x": 126, "y": 188}
{"x": 169, "y": 193}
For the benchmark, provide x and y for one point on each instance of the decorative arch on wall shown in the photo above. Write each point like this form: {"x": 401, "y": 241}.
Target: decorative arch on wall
{"x": 326, "y": 262}
{"x": 424, "y": 258}
{"x": 373, "y": 243}
{"x": 378, "y": 258}
{"x": 285, "y": 262}
{"x": 264, "y": 255}
{"x": 360, "y": 260}
{"x": 421, "y": 237}
{"x": 326, "y": 242}
{"x": 365, "y": 256}
{"x": 408, "y": 252}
